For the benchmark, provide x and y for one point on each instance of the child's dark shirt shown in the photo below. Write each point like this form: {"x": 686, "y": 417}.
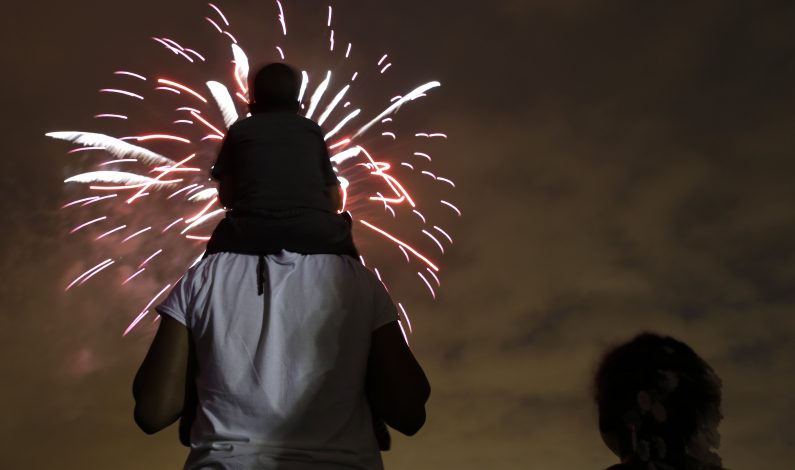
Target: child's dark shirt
{"x": 274, "y": 161}
{"x": 275, "y": 177}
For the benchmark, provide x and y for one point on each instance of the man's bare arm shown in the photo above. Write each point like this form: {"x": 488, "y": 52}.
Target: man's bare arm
{"x": 159, "y": 386}
{"x": 396, "y": 384}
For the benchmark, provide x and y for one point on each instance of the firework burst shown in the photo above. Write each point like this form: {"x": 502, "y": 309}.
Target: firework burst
{"x": 150, "y": 191}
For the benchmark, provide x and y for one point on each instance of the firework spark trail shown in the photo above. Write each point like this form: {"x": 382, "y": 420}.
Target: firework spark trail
{"x": 183, "y": 88}
{"x": 333, "y": 105}
{"x": 122, "y": 92}
{"x": 96, "y": 268}
{"x": 315, "y": 100}
{"x": 133, "y": 276}
{"x": 435, "y": 240}
{"x": 304, "y": 84}
{"x": 86, "y": 224}
{"x": 448, "y": 237}
{"x": 405, "y": 315}
{"x": 281, "y": 17}
{"x": 114, "y": 146}
{"x": 204, "y": 194}
{"x": 110, "y": 116}
{"x": 202, "y": 219}
{"x": 157, "y": 180}
{"x": 224, "y": 100}
{"x": 414, "y": 94}
{"x": 145, "y": 311}
{"x": 451, "y": 206}
{"x": 79, "y": 201}
{"x": 400, "y": 243}
{"x": 111, "y": 231}
{"x": 151, "y": 257}
{"x": 84, "y": 149}
{"x": 130, "y": 237}
{"x": 342, "y": 123}
{"x": 220, "y": 13}
{"x": 118, "y": 177}
{"x": 97, "y": 199}
{"x": 241, "y": 68}
{"x": 131, "y": 74}
{"x": 369, "y": 179}
{"x": 430, "y": 288}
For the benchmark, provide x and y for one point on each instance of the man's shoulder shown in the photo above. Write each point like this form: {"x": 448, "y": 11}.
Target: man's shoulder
{"x": 343, "y": 266}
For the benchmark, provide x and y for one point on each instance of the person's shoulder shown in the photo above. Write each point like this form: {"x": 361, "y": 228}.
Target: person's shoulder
{"x": 278, "y": 119}
{"x": 247, "y": 121}
{"x": 364, "y": 276}
{"x": 207, "y": 266}
{"x": 239, "y": 125}
{"x": 198, "y": 272}
{"x": 303, "y": 122}
{"x": 294, "y": 120}
{"x": 343, "y": 265}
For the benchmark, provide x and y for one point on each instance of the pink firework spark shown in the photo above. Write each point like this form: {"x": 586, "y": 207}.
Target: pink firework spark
{"x": 171, "y": 207}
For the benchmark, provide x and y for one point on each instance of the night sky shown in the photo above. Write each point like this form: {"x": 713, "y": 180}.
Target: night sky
{"x": 622, "y": 166}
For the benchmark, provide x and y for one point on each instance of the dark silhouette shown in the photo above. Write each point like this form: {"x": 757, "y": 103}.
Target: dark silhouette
{"x": 276, "y": 179}
{"x": 274, "y": 88}
{"x": 659, "y": 406}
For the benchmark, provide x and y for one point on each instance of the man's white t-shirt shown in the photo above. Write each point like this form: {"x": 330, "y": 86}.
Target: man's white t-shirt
{"x": 281, "y": 376}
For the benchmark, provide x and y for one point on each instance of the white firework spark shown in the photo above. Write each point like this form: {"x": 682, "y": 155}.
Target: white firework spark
{"x": 372, "y": 184}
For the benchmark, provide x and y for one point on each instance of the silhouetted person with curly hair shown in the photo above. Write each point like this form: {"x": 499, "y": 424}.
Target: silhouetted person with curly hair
{"x": 659, "y": 406}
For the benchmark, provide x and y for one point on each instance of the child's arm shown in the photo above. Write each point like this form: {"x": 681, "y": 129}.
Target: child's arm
{"x": 221, "y": 172}
{"x": 221, "y": 166}
{"x": 334, "y": 193}
{"x": 333, "y": 189}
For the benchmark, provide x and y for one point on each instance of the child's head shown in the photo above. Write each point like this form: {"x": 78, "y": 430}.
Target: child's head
{"x": 274, "y": 88}
{"x": 658, "y": 402}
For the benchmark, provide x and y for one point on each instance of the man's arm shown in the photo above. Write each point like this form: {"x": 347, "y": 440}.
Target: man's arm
{"x": 396, "y": 384}
{"x": 159, "y": 386}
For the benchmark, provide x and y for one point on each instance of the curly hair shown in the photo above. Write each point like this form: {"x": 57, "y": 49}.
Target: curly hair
{"x": 660, "y": 402}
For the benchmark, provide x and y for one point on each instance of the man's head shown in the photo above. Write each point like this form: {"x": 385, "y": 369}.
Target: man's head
{"x": 274, "y": 88}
